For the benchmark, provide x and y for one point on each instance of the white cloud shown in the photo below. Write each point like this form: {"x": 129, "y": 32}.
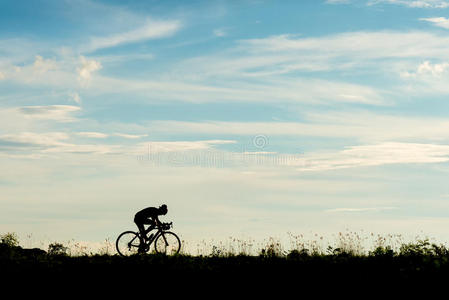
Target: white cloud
{"x": 176, "y": 146}
{"x": 338, "y": 1}
{"x": 92, "y": 134}
{"x": 375, "y": 155}
{"x": 61, "y": 113}
{"x": 220, "y": 32}
{"x": 359, "y": 209}
{"x": 426, "y": 80}
{"x": 75, "y": 97}
{"x": 262, "y": 70}
{"x": 292, "y": 60}
{"x": 352, "y": 157}
{"x": 363, "y": 126}
{"x": 427, "y": 69}
{"x": 414, "y": 3}
{"x": 42, "y": 65}
{"x": 150, "y": 30}
{"x": 130, "y": 136}
{"x": 84, "y": 149}
{"x": 279, "y": 90}
{"x": 42, "y": 72}
{"x": 355, "y": 45}
{"x": 2, "y": 76}
{"x": 49, "y": 139}
{"x": 88, "y": 66}
{"x": 440, "y": 22}
{"x": 45, "y": 143}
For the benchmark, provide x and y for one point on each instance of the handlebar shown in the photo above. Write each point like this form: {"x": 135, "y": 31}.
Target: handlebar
{"x": 166, "y": 226}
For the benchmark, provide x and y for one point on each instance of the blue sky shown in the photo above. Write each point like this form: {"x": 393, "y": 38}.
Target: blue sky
{"x": 247, "y": 118}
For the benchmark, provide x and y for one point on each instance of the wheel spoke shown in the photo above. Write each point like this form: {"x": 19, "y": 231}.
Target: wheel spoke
{"x": 128, "y": 243}
{"x": 167, "y": 243}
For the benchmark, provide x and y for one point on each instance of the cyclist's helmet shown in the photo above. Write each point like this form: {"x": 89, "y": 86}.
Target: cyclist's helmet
{"x": 163, "y": 209}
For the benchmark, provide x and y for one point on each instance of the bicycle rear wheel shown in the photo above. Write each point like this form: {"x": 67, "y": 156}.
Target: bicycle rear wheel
{"x": 128, "y": 243}
{"x": 167, "y": 243}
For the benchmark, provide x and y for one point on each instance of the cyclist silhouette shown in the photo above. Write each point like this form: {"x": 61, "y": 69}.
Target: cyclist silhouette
{"x": 149, "y": 216}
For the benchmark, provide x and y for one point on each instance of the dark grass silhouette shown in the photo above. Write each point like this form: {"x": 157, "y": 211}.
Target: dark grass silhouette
{"x": 414, "y": 265}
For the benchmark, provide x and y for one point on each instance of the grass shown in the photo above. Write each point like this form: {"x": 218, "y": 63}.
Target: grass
{"x": 389, "y": 261}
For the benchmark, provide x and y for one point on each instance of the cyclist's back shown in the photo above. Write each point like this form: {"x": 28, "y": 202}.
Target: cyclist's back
{"x": 149, "y": 215}
{"x": 149, "y": 212}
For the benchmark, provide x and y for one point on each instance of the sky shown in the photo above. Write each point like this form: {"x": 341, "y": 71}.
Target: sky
{"x": 249, "y": 119}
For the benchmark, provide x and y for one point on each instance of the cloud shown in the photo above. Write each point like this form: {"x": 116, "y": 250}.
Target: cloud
{"x": 355, "y": 210}
{"x": 47, "y": 143}
{"x": 42, "y": 65}
{"x": 273, "y": 69}
{"x": 150, "y": 30}
{"x": 427, "y": 79}
{"x": 356, "y": 45}
{"x": 91, "y": 134}
{"x": 360, "y": 125}
{"x": 375, "y": 155}
{"x": 220, "y": 32}
{"x": 414, "y": 3}
{"x": 61, "y": 113}
{"x": 88, "y": 66}
{"x": 440, "y": 22}
{"x": 2, "y": 76}
{"x": 427, "y": 69}
{"x": 176, "y": 146}
{"x": 130, "y": 136}
{"x": 290, "y": 62}
{"x": 41, "y": 72}
{"x": 50, "y": 139}
{"x": 75, "y": 97}
{"x": 85, "y": 149}
{"x": 338, "y": 1}
{"x": 278, "y": 90}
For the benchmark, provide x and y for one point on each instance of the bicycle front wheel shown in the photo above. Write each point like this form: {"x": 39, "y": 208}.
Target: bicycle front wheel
{"x": 128, "y": 243}
{"x": 167, "y": 243}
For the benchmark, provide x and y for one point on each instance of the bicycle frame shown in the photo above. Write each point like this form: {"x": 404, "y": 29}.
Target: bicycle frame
{"x": 160, "y": 231}
{"x": 169, "y": 240}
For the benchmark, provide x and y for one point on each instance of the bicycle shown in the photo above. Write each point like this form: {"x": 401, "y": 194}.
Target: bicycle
{"x": 165, "y": 242}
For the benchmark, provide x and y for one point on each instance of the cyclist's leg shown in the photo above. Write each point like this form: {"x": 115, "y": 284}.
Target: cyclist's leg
{"x": 140, "y": 226}
{"x": 151, "y": 227}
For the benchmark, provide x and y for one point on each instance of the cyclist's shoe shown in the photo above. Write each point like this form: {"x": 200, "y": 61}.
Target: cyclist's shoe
{"x": 143, "y": 249}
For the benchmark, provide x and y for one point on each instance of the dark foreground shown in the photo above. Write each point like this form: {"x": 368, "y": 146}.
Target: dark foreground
{"x": 296, "y": 272}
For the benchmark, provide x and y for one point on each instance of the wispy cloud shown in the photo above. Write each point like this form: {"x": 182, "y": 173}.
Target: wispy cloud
{"x": 279, "y": 90}
{"x": 61, "y": 113}
{"x": 426, "y": 69}
{"x": 363, "y": 126}
{"x": 176, "y": 146}
{"x": 92, "y": 134}
{"x": 375, "y": 155}
{"x": 220, "y": 32}
{"x": 284, "y": 62}
{"x": 47, "y": 143}
{"x": 152, "y": 29}
{"x": 42, "y": 65}
{"x": 414, "y": 3}
{"x": 88, "y": 66}
{"x": 357, "y": 45}
{"x": 130, "y": 136}
{"x": 360, "y": 209}
{"x": 338, "y": 1}
{"x": 48, "y": 139}
{"x": 438, "y": 21}
{"x": 75, "y": 97}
